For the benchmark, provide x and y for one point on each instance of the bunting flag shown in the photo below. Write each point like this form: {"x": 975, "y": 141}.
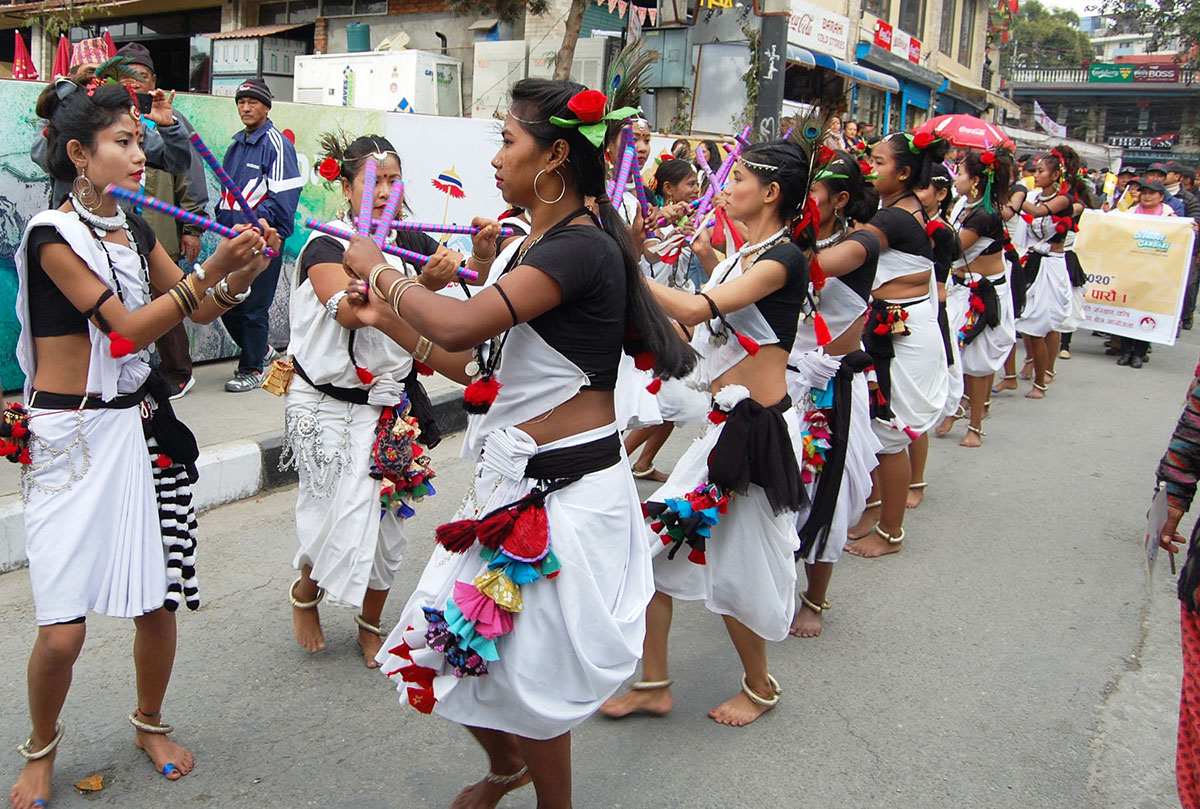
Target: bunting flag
{"x": 622, "y": 6}
{"x": 641, "y": 12}
{"x": 108, "y": 43}
{"x": 612, "y": 4}
{"x": 653, "y": 12}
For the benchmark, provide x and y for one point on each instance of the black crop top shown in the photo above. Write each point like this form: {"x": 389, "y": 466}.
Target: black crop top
{"x": 51, "y": 313}
{"x": 945, "y": 251}
{"x": 862, "y": 279}
{"x": 781, "y": 309}
{"x": 987, "y": 225}
{"x": 328, "y": 250}
{"x": 904, "y": 232}
{"x": 588, "y": 327}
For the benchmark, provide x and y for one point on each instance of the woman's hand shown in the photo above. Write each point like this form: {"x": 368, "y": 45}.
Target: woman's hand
{"x": 673, "y": 212}
{"x": 361, "y": 256}
{"x": 160, "y": 108}
{"x": 441, "y": 269}
{"x": 484, "y": 243}
{"x": 246, "y": 251}
{"x": 367, "y": 307}
{"x": 1169, "y": 539}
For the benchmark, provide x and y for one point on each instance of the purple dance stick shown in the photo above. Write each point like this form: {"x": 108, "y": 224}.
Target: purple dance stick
{"x": 703, "y": 161}
{"x": 187, "y": 217}
{"x": 640, "y": 188}
{"x": 366, "y": 203}
{"x": 430, "y": 227}
{"x": 391, "y": 249}
{"x": 621, "y": 179}
{"x": 383, "y": 227}
{"x": 223, "y": 178}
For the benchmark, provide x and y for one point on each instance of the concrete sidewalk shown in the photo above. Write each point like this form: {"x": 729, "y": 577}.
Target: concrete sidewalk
{"x": 240, "y": 437}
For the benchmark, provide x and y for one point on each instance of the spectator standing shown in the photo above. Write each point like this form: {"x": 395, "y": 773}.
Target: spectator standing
{"x": 1133, "y": 352}
{"x": 1158, "y": 171}
{"x": 834, "y": 139}
{"x": 187, "y": 190}
{"x": 850, "y": 134}
{"x": 1176, "y": 172}
{"x": 262, "y": 163}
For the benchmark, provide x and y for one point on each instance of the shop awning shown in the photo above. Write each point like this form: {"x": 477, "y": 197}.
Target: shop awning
{"x": 895, "y": 65}
{"x": 257, "y": 31}
{"x": 858, "y": 73}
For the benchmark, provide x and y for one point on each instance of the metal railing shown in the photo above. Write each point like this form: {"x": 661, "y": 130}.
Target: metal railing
{"x": 1071, "y": 75}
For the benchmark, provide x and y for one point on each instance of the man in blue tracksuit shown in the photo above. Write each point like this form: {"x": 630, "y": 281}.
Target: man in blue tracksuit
{"x": 262, "y": 163}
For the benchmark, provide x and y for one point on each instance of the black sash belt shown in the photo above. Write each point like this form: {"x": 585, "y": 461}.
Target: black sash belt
{"x": 816, "y": 528}
{"x": 754, "y": 447}
{"x": 574, "y": 462}
{"x": 882, "y": 349}
{"x": 1075, "y": 269}
{"x": 944, "y": 327}
{"x": 420, "y": 407}
{"x": 356, "y": 396}
{"x": 989, "y": 318}
{"x": 66, "y": 401}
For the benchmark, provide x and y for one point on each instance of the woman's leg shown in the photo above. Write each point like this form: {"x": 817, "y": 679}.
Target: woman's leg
{"x": 1053, "y": 340}
{"x": 807, "y": 623}
{"x": 752, "y": 650}
{"x": 550, "y": 766}
{"x": 893, "y": 472}
{"x": 654, "y": 666}
{"x": 49, "y": 677}
{"x": 372, "y": 612}
{"x": 918, "y": 454}
{"x": 866, "y": 523}
{"x": 153, "y": 659}
{"x": 655, "y": 438}
{"x": 306, "y": 622}
{"x": 1010, "y": 373}
{"x": 504, "y": 759}
{"x": 1064, "y": 347}
{"x": 1037, "y": 350}
{"x": 977, "y": 393}
{"x": 1026, "y": 370}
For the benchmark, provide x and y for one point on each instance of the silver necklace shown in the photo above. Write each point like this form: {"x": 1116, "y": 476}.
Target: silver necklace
{"x": 100, "y": 224}
{"x": 834, "y": 239}
{"x": 750, "y": 249}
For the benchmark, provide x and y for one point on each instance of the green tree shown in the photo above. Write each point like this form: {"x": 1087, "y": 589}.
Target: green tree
{"x": 1163, "y": 20}
{"x": 1045, "y": 37}
{"x": 507, "y": 10}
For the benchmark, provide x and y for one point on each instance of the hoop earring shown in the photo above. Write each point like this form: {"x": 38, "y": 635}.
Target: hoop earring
{"x": 85, "y": 191}
{"x": 561, "y": 193}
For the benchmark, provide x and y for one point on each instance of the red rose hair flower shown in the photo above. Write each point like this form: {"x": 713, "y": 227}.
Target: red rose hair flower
{"x": 588, "y": 105}
{"x": 987, "y": 158}
{"x": 922, "y": 140}
{"x": 329, "y": 169}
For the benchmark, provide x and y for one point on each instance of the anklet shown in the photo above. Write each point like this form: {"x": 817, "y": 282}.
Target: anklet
{"x": 34, "y": 755}
{"x": 363, "y": 623}
{"x": 812, "y": 605}
{"x": 505, "y": 780}
{"x": 652, "y": 685}
{"x": 304, "y": 605}
{"x": 146, "y": 727}
{"x": 893, "y": 539}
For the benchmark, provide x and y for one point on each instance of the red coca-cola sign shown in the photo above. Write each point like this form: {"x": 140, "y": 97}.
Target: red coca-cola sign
{"x": 883, "y": 35}
{"x": 914, "y": 50}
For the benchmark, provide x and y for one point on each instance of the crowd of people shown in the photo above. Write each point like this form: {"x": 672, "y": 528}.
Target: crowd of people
{"x": 814, "y": 307}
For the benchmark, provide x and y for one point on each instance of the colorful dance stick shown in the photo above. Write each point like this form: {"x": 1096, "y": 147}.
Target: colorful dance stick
{"x": 788, "y": 135}
{"x": 703, "y": 161}
{"x": 186, "y": 217}
{"x": 640, "y": 189}
{"x": 391, "y": 249}
{"x": 223, "y": 178}
{"x": 744, "y": 138}
{"x": 621, "y": 179}
{"x": 431, "y": 227}
{"x": 693, "y": 205}
{"x": 384, "y": 227}
{"x": 366, "y": 203}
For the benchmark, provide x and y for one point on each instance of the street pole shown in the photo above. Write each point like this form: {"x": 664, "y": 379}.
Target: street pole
{"x": 772, "y": 64}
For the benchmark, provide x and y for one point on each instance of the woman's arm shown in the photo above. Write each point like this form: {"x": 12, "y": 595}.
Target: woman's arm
{"x": 883, "y": 239}
{"x": 842, "y": 258}
{"x": 966, "y": 238}
{"x": 327, "y": 280}
{"x": 1060, "y": 204}
{"x": 1013, "y": 206}
{"x": 763, "y": 278}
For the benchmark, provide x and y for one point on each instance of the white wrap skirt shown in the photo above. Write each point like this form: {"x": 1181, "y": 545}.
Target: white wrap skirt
{"x": 92, "y": 533}
{"x": 1048, "y": 301}
{"x": 985, "y": 355}
{"x": 579, "y": 634}
{"x": 750, "y": 573}
{"x": 636, "y": 407}
{"x": 342, "y": 537}
{"x": 920, "y": 382}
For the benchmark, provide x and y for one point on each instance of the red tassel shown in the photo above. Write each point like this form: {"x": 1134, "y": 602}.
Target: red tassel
{"x": 119, "y": 346}
{"x": 816, "y": 274}
{"x": 747, "y": 343}
{"x": 480, "y": 394}
{"x": 933, "y": 227}
{"x": 657, "y": 527}
{"x": 655, "y": 385}
{"x": 530, "y": 534}
{"x": 18, "y": 430}
{"x": 697, "y": 557}
{"x": 456, "y": 537}
{"x": 494, "y": 529}
{"x": 403, "y": 650}
{"x": 644, "y": 360}
{"x": 422, "y": 368}
{"x": 716, "y": 417}
{"x": 7, "y": 449}
{"x": 24, "y": 457}
{"x": 162, "y": 461}
{"x": 422, "y": 699}
{"x": 364, "y": 376}
{"x": 824, "y": 338}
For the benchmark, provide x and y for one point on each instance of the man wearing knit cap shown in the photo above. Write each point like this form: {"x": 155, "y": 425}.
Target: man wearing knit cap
{"x": 187, "y": 190}
{"x": 1191, "y": 207}
{"x": 262, "y": 163}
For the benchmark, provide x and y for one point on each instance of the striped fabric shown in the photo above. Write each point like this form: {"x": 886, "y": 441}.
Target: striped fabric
{"x": 1180, "y": 466}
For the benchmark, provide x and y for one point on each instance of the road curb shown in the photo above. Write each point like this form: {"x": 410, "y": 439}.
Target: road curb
{"x": 229, "y": 471}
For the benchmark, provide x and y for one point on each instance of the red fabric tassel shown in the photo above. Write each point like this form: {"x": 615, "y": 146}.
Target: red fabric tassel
{"x": 422, "y": 368}
{"x": 655, "y": 385}
{"x": 657, "y": 527}
{"x": 749, "y": 344}
{"x": 119, "y": 346}
{"x": 162, "y": 461}
{"x": 480, "y": 394}
{"x": 18, "y": 430}
{"x": 697, "y": 557}
{"x": 716, "y": 417}
{"x": 644, "y": 360}
{"x": 530, "y": 534}
{"x": 494, "y": 529}
{"x": 420, "y": 676}
{"x": 456, "y": 537}
{"x": 824, "y": 338}
{"x": 816, "y": 274}
{"x": 422, "y": 699}
{"x": 7, "y": 449}
{"x": 933, "y": 227}
{"x": 25, "y": 457}
{"x": 364, "y": 376}
{"x": 403, "y": 650}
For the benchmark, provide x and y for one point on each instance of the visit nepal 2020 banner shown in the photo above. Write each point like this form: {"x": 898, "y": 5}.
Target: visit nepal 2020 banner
{"x": 445, "y": 166}
{"x": 1137, "y": 268}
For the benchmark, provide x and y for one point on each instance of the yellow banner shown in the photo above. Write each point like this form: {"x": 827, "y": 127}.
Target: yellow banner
{"x": 1137, "y": 269}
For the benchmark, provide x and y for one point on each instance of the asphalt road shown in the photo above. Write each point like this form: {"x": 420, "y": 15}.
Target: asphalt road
{"x": 1013, "y": 655}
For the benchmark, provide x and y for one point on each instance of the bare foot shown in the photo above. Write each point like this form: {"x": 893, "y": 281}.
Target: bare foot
{"x": 1005, "y": 384}
{"x": 370, "y": 644}
{"x": 1026, "y": 369}
{"x": 872, "y": 546}
{"x": 650, "y": 474}
{"x": 741, "y": 710}
{"x": 33, "y": 784}
{"x": 655, "y": 702}
{"x": 946, "y": 426}
{"x": 164, "y": 752}
{"x": 306, "y": 623}
{"x": 971, "y": 439}
{"x": 486, "y": 795}
{"x": 915, "y": 495}
{"x": 865, "y": 525}
{"x": 807, "y": 623}
{"x": 1036, "y": 393}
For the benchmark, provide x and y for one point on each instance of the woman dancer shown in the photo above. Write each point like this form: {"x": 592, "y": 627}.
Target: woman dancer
{"x": 670, "y": 254}
{"x": 979, "y": 304}
{"x": 1015, "y": 243}
{"x": 828, "y": 384}
{"x": 102, "y": 494}
{"x": 1048, "y": 290}
{"x": 351, "y": 382}
{"x": 740, "y": 559}
{"x": 902, "y": 333}
{"x": 550, "y": 537}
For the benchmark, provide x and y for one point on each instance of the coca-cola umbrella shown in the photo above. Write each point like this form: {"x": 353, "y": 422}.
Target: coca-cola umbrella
{"x": 22, "y": 65}
{"x": 965, "y": 131}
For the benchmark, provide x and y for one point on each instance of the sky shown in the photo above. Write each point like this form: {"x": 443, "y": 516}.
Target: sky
{"x": 1080, "y": 7}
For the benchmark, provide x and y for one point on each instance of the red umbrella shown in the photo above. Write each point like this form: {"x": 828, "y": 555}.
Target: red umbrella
{"x": 62, "y": 57}
{"x": 23, "y": 65}
{"x": 112, "y": 46}
{"x": 966, "y": 131}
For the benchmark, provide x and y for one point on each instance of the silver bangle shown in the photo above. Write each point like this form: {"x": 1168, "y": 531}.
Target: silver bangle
{"x": 240, "y": 297}
{"x": 331, "y": 305}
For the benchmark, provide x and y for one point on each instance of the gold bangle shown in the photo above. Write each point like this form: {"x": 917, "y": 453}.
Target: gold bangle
{"x": 177, "y": 298}
{"x": 373, "y": 278}
{"x": 392, "y": 288}
{"x": 390, "y": 298}
{"x": 424, "y": 347}
{"x": 185, "y": 294}
{"x": 189, "y": 281}
{"x": 399, "y": 295}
